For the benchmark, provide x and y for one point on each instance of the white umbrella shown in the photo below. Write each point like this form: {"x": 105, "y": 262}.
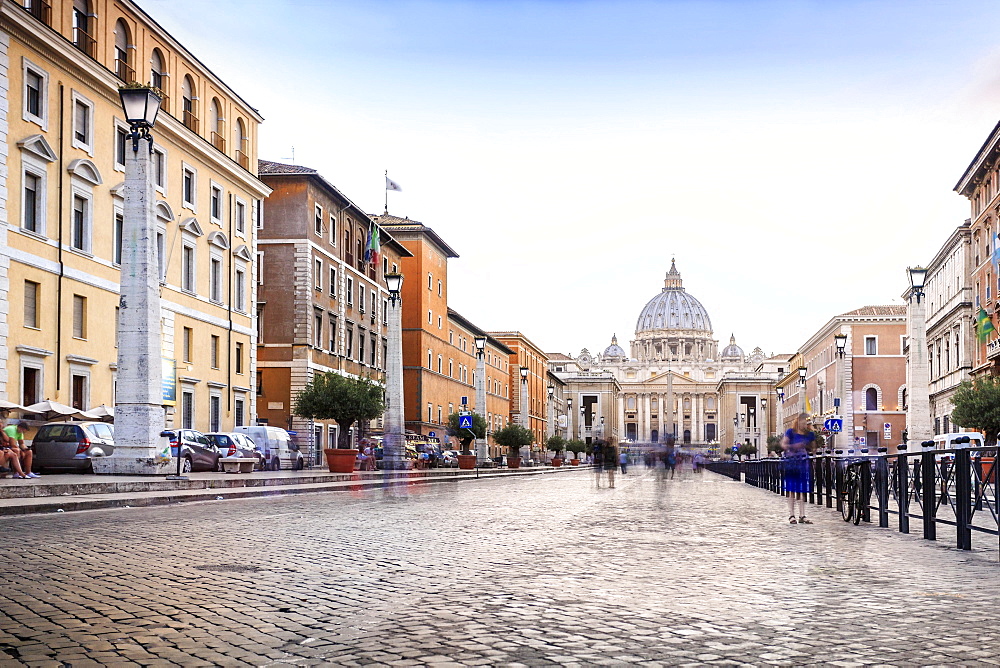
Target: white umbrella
{"x": 53, "y": 410}
{"x": 10, "y": 406}
{"x": 103, "y": 412}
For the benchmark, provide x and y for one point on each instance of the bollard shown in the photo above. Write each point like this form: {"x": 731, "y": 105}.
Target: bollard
{"x": 903, "y": 491}
{"x": 963, "y": 499}
{"x": 929, "y": 494}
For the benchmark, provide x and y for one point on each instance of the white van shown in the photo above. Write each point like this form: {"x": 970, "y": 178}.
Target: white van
{"x": 279, "y": 451}
{"x": 948, "y": 441}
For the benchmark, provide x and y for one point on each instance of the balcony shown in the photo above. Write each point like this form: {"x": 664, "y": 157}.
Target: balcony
{"x": 219, "y": 142}
{"x": 190, "y": 120}
{"x": 41, "y": 10}
{"x": 243, "y": 159}
{"x": 124, "y": 71}
{"x": 83, "y": 41}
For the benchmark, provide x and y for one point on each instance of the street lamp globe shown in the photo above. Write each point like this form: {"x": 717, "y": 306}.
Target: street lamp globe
{"x": 524, "y": 373}
{"x": 802, "y": 376}
{"x": 841, "y": 341}
{"x": 780, "y": 391}
{"x": 140, "y": 105}
{"x": 393, "y": 283}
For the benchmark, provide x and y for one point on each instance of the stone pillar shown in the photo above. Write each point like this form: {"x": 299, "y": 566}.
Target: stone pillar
{"x": 481, "y": 450}
{"x": 670, "y": 403}
{"x": 394, "y": 440}
{"x": 4, "y": 218}
{"x": 139, "y": 415}
{"x": 918, "y": 373}
{"x": 646, "y": 422}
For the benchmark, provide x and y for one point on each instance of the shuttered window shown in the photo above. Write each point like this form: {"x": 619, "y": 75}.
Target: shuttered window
{"x": 31, "y": 304}
{"x": 187, "y": 410}
{"x": 213, "y": 403}
{"x": 79, "y": 317}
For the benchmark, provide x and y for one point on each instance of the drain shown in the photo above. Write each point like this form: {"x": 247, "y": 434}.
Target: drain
{"x": 229, "y": 568}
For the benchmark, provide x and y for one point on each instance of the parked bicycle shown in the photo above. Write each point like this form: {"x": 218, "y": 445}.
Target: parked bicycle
{"x": 855, "y": 493}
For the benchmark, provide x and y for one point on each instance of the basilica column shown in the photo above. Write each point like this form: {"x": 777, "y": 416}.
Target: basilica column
{"x": 696, "y": 418}
{"x": 621, "y": 417}
{"x": 646, "y": 408}
{"x": 670, "y": 403}
{"x": 660, "y": 426}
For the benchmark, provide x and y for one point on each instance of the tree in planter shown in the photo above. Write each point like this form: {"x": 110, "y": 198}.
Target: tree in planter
{"x": 576, "y": 446}
{"x": 330, "y": 396}
{"x": 466, "y": 436}
{"x": 977, "y": 406}
{"x": 746, "y": 449}
{"x": 774, "y": 445}
{"x": 556, "y": 444}
{"x": 513, "y": 437}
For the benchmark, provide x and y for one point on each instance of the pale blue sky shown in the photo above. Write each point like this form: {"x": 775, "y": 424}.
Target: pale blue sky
{"x": 794, "y": 156}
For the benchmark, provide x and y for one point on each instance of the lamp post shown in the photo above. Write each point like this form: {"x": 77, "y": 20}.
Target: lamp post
{"x": 548, "y": 413}
{"x": 763, "y": 418}
{"x": 525, "y": 421}
{"x": 736, "y": 429}
{"x": 482, "y": 453}
{"x": 918, "y": 371}
{"x": 840, "y": 340}
{"x": 394, "y": 439}
{"x": 583, "y": 423}
{"x": 139, "y": 415}
{"x": 802, "y": 389}
{"x": 569, "y": 417}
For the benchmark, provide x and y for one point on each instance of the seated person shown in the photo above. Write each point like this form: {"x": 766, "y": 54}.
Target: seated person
{"x": 22, "y": 453}
{"x": 9, "y": 460}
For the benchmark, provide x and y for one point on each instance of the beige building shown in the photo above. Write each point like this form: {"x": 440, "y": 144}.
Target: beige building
{"x": 63, "y": 136}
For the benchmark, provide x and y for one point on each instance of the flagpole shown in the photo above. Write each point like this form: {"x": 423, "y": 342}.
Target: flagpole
{"x": 387, "y": 192}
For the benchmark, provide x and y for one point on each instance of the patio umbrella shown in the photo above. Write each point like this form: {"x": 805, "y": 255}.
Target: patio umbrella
{"x": 53, "y": 410}
{"x": 6, "y": 406}
{"x": 103, "y": 412}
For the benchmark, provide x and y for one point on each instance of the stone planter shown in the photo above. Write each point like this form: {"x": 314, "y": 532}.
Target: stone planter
{"x": 466, "y": 462}
{"x": 574, "y": 462}
{"x": 513, "y": 462}
{"x": 340, "y": 461}
{"x": 557, "y": 462}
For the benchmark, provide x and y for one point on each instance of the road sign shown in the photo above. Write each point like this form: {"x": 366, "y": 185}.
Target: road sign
{"x": 887, "y": 429}
{"x": 432, "y": 434}
{"x": 465, "y": 421}
{"x": 465, "y": 400}
{"x": 833, "y": 424}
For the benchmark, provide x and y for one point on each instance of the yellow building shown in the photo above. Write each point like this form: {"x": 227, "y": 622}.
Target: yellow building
{"x": 63, "y": 135}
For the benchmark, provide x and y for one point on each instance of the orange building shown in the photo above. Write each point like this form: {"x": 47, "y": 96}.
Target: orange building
{"x": 527, "y": 354}
{"x": 439, "y": 350}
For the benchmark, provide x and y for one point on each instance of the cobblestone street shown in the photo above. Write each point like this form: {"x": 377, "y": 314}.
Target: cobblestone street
{"x": 538, "y": 570}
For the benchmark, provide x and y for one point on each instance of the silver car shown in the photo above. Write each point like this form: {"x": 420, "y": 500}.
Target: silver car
{"x": 72, "y": 445}
{"x": 235, "y": 444}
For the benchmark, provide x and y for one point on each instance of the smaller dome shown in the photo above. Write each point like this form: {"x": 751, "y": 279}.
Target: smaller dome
{"x": 732, "y": 350}
{"x": 614, "y": 350}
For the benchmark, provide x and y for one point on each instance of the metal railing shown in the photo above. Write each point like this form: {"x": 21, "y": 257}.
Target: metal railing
{"x": 218, "y": 141}
{"x": 190, "y": 120}
{"x": 41, "y": 10}
{"x": 124, "y": 71}
{"x": 85, "y": 42}
{"x": 957, "y": 487}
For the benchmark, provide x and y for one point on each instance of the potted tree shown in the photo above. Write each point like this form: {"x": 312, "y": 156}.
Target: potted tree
{"x": 576, "y": 446}
{"x": 513, "y": 437}
{"x": 467, "y": 460}
{"x": 330, "y": 396}
{"x": 556, "y": 444}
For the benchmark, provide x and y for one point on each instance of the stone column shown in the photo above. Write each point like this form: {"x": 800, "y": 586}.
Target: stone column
{"x": 918, "y": 373}
{"x": 394, "y": 439}
{"x": 481, "y": 452}
{"x": 670, "y": 403}
{"x": 139, "y": 415}
{"x": 646, "y": 422}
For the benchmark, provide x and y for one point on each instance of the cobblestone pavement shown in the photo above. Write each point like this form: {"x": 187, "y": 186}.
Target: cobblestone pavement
{"x": 543, "y": 570}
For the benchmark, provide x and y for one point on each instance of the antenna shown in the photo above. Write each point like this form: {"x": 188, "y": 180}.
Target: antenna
{"x": 293, "y": 156}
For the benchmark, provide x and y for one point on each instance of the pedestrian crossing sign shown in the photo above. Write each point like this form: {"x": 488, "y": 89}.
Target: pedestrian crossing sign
{"x": 465, "y": 421}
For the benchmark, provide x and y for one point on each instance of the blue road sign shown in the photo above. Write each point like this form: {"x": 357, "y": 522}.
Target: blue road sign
{"x": 465, "y": 422}
{"x": 432, "y": 434}
{"x": 833, "y": 424}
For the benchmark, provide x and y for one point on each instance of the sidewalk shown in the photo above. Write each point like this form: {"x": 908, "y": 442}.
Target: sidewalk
{"x": 67, "y": 492}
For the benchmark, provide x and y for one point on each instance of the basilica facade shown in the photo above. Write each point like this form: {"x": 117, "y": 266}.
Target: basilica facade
{"x": 669, "y": 380}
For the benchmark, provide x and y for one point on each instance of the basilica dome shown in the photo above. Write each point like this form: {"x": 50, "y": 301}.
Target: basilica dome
{"x": 673, "y": 308}
{"x": 615, "y": 351}
{"x": 732, "y": 351}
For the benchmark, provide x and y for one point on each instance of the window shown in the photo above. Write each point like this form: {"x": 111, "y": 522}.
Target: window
{"x": 31, "y": 384}
{"x": 318, "y": 275}
{"x": 350, "y": 291}
{"x": 187, "y": 341}
{"x": 187, "y": 268}
{"x": 318, "y": 223}
{"x": 239, "y": 357}
{"x": 80, "y": 237}
{"x": 240, "y": 290}
{"x": 333, "y": 334}
{"x": 871, "y": 399}
{"x": 259, "y": 321}
{"x": 333, "y": 281}
{"x": 871, "y": 345}
{"x": 385, "y": 311}
{"x": 161, "y": 254}
{"x": 260, "y": 267}
{"x": 123, "y": 47}
{"x": 333, "y": 230}
{"x": 218, "y": 121}
{"x": 215, "y": 208}
{"x": 83, "y": 27}
{"x": 361, "y": 347}
{"x": 440, "y": 289}
{"x": 121, "y": 142}
{"x": 430, "y": 359}
{"x": 159, "y": 167}
{"x": 258, "y": 213}
{"x": 318, "y": 328}
{"x": 430, "y": 281}
{"x": 215, "y": 280}
{"x": 439, "y": 327}
{"x": 430, "y": 317}
{"x": 239, "y": 411}
{"x": 31, "y": 202}
{"x": 349, "y": 343}
{"x": 189, "y": 107}
{"x": 242, "y": 144}
{"x": 189, "y": 179}
{"x": 187, "y": 409}
{"x": 241, "y": 217}
{"x": 79, "y": 391}
{"x": 119, "y": 232}
{"x": 214, "y": 412}
{"x": 215, "y": 351}
{"x": 36, "y": 85}
{"x": 371, "y": 346}
{"x": 31, "y": 290}
{"x": 83, "y": 123}
{"x": 157, "y": 71}
{"x": 260, "y": 383}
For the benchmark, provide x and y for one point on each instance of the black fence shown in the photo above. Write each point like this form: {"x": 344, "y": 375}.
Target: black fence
{"x": 957, "y": 488}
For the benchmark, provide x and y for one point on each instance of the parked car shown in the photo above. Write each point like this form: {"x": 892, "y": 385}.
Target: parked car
{"x": 448, "y": 459}
{"x": 279, "y": 450}
{"x": 236, "y": 444}
{"x": 197, "y": 450}
{"x": 72, "y": 445}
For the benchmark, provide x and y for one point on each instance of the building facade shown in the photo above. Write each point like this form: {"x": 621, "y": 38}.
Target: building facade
{"x": 322, "y": 304}
{"x": 439, "y": 351}
{"x": 63, "y": 135}
{"x": 530, "y": 410}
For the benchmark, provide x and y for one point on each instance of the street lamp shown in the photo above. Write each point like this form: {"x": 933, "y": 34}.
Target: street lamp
{"x": 394, "y": 439}
{"x": 763, "y": 429}
{"x": 917, "y": 277}
{"x": 918, "y": 370}
{"x": 524, "y": 402}
{"x": 551, "y": 390}
{"x": 802, "y": 376}
{"x": 481, "y": 444}
{"x": 780, "y": 391}
{"x": 569, "y": 417}
{"x": 139, "y": 393}
{"x": 841, "y": 341}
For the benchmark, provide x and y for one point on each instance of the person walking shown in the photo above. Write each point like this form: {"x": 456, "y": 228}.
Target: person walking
{"x": 623, "y": 461}
{"x": 598, "y": 458}
{"x": 796, "y": 444}
{"x": 610, "y": 462}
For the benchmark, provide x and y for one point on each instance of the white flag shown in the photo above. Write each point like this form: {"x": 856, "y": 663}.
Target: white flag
{"x": 392, "y": 185}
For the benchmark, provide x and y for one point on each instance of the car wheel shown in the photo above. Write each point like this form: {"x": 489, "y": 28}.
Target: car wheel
{"x": 187, "y": 465}
{"x": 299, "y": 464}
{"x": 218, "y": 466}
{"x": 275, "y": 464}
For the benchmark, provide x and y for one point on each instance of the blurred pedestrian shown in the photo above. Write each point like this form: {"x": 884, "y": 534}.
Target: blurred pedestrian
{"x": 598, "y": 459}
{"x": 623, "y": 461}
{"x": 796, "y": 444}
{"x": 669, "y": 455}
{"x": 610, "y": 462}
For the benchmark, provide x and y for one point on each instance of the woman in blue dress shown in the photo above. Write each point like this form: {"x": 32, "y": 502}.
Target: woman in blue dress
{"x": 796, "y": 444}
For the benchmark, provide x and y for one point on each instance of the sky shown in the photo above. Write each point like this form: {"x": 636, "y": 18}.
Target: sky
{"x": 794, "y": 156}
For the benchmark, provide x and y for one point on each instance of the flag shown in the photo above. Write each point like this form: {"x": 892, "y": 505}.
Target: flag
{"x": 984, "y": 326}
{"x": 808, "y": 405}
{"x": 392, "y": 185}
{"x": 373, "y": 246}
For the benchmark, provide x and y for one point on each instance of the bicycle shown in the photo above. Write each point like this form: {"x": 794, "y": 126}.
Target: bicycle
{"x": 853, "y": 501}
